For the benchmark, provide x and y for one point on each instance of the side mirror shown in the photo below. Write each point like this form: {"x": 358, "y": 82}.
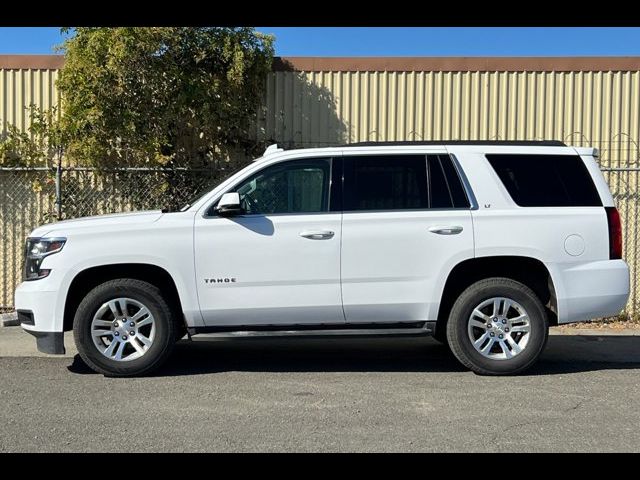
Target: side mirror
{"x": 229, "y": 205}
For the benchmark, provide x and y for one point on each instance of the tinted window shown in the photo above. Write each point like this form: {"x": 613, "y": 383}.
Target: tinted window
{"x": 300, "y": 186}
{"x": 546, "y": 180}
{"x": 439, "y": 194}
{"x": 385, "y": 182}
{"x": 458, "y": 195}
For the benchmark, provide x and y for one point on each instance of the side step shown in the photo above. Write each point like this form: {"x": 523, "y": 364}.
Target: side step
{"x": 298, "y": 331}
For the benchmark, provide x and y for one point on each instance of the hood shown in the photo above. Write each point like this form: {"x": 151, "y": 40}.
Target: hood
{"x": 98, "y": 221}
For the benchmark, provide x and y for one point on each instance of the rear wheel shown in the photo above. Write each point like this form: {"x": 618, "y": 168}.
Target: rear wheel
{"x": 124, "y": 327}
{"x": 497, "y": 327}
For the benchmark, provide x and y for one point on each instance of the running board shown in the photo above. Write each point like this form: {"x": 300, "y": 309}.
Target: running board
{"x": 413, "y": 329}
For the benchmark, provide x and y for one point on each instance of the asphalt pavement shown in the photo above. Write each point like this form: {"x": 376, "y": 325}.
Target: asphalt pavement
{"x": 336, "y": 395}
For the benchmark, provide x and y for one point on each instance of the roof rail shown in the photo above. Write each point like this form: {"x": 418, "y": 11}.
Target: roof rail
{"x": 271, "y": 149}
{"x": 531, "y": 143}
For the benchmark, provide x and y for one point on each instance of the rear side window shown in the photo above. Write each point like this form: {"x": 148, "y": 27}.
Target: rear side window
{"x": 446, "y": 189}
{"x": 401, "y": 182}
{"x": 546, "y": 180}
{"x": 439, "y": 194}
{"x": 454, "y": 183}
{"x": 385, "y": 182}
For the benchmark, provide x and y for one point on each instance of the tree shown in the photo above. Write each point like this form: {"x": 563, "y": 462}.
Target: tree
{"x": 41, "y": 145}
{"x": 149, "y": 96}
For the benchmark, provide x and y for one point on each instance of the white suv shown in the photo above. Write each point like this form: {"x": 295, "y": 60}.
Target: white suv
{"x": 482, "y": 244}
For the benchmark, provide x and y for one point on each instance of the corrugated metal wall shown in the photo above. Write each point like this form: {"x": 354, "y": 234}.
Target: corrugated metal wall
{"x": 582, "y": 108}
{"x": 318, "y": 108}
{"x": 20, "y": 88}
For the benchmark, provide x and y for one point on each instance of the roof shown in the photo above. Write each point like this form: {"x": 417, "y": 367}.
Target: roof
{"x": 512, "y": 143}
{"x": 34, "y": 62}
{"x": 456, "y": 64}
{"x": 395, "y": 64}
{"x": 274, "y": 150}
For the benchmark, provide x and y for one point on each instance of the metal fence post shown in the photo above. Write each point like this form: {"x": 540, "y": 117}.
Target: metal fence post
{"x": 59, "y": 191}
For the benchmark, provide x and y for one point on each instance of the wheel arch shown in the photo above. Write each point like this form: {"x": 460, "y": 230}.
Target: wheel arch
{"x": 527, "y": 270}
{"x": 87, "y": 279}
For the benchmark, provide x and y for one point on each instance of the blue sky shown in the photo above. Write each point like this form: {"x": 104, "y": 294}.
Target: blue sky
{"x": 400, "y": 41}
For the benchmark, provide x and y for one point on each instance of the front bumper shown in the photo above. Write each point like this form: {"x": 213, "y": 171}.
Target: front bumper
{"x": 41, "y": 321}
{"x": 49, "y": 342}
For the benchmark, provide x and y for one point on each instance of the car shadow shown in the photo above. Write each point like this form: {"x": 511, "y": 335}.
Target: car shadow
{"x": 257, "y": 224}
{"x": 563, "y": 354}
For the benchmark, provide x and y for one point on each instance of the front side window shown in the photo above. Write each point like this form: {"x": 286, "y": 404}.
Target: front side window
{"x": 298, "y": 186}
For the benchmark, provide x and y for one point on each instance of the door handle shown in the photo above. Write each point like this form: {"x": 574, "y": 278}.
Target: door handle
{"x": 446, "y": 229}
{"x": 317, "y": 234}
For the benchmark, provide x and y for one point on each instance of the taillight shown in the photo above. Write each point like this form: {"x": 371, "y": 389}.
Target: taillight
{"x": 615, "y": 233}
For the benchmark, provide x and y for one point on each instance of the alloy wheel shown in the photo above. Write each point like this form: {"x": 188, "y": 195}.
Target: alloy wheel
{"x": 123, "y": 329}
{"x": 499, "y": 328}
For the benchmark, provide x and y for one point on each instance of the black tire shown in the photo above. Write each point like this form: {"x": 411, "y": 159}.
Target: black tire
{"x": 458, "y": 337}
{"x": 143, "y": 292}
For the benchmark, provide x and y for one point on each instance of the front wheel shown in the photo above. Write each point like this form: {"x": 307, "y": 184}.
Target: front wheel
{"x": 497, "y": 327}
{"x": 124, "y": 327}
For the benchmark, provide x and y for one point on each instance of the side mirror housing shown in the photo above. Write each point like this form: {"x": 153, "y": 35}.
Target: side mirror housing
{"x": 229, "y": 205}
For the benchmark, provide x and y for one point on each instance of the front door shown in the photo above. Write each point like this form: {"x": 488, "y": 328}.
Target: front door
{"x": 279, "y": 262}
{"x": 406, "y": 223}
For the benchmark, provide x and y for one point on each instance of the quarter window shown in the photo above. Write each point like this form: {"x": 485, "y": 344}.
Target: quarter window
{"x": 299, "y": 186}
{"x": 546, "y": 180}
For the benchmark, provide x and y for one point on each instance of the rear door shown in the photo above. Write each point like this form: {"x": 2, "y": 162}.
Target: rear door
{"x": 406, "y": 223}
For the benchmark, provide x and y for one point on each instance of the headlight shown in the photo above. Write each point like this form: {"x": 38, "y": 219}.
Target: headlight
{"x": 36, "y": 250}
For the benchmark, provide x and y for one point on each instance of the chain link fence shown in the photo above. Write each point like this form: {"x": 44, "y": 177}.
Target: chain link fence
{"x": 32, "y": 196}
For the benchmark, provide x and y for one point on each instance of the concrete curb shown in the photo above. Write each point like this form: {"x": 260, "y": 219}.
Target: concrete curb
{"x": 9, "y": 319}
{"x": 633, "y": 332}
